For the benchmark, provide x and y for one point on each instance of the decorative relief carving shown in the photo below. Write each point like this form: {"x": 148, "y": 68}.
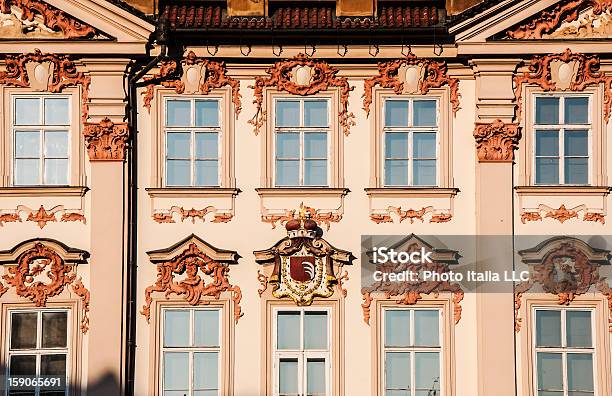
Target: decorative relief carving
{"x": 263, "y": 281}
{"x": 196, "y": 75}
{"x": 412, "y": 75}
{"x": 106, "y": 140}
{"x": 410, "y": 214}
{"x": 496, "y": 142}
{"x": 562, "y": 214}
{"x": 193, "y": 214}
{"x": 80, "y": 290}
{"x": 302, "y": 75}
{"x": 41, "y": 216}
{"x": 45, "y": 72}
{"x": 321, "y": 217}
{"x": 565, "y": 71}
{"x": 9, "y": 218}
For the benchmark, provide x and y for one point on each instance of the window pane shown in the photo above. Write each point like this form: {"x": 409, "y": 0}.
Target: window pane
{"x": 397, "y": 370}
{"x": 53, "y": 365}
{"x": 397, "y": 327}
{"x": 288, "y": 376}
{"x": 56, "y": 144}
{"x": 547, "y": 170}
{"x": 207, "y": 145}
{"x": 578, "y": 329}
{"x": 178, "y": 172}
{"x": 424, "y": 145}
{"x": 550, "y": 373}
{"x": 315, "y": 330}
{"x": 426, "y": 328}
{"x": 424, "y": 113}
{"x": 287, "y": 173}
{"x": 288, "y": 330}
{"x": 178, "y": 113}
{"x": 577, "y": 143}
{"x": 580, "y": 371}
{"x": 287, "y": 113}
{"x": 315, "y": 145}
{"x": 203, "y": 393}
{"x": 23, "y": 330}
{"x": 27, "y": 111}
{"x": 547, "y": 111}
{"x": 23, "y": 365}
{"x": 315, "y": 381}
{"x": 576, "y": 110}
{"x": 178, "y": 145}
{"x": 547, "y": 143}
{"x": 207, "y": 113}
{"x": 396, "y": 113}
{"x": 424, "y": 172}
{"x": 27, "y": 171}
{"x": 315, "y": 172}
{"x": 176, "y": 328}
{"x": 396, "y": 145}
{"x": 288, "y": 145}
{"x": 206, "y": 370}
{"x": 427, "y": 370}
{"x": 56, "y": 111}
{"x": 176, "y": 371}
{"x": 207, "y": 173}
{"x": 206, "y": 328}
{"x": 576, "y": 170}
{"x": 396, "y": 172}
{"x": 56, "y": 171}
{"x": 548, "y": 328}
{"x": 315, "y": 113}
{"x": 54, "y": 329}
{"x": 27, "y": 144}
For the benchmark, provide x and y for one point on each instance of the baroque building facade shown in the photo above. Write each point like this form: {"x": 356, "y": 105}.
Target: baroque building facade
{"x": 185, "y": 184}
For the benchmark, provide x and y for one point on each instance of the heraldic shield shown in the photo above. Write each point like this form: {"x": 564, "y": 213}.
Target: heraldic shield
{"x": 305, "y": 265}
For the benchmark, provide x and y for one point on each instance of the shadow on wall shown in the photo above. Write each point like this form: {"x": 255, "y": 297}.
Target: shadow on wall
{"x": 106, "y": 385}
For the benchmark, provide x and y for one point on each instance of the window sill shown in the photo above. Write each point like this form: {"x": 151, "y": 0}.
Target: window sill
{"x": 302, "y": 191}
{"x": 192, "y": 192}
{"x": 563, "y": 190}
{"x": 43, "y": 191}
{"x": 411, "y": 192}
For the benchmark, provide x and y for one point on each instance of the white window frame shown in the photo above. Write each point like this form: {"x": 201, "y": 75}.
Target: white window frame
{"x": 561, "y": 127}
{"x": 41, "y": 128}
{"x": 410, "y": 130}
{"x": 191, "y": 350}
{"x": 328, "y": 130}
{"x": 564, "y": 350}
{"x": 193, "y": 130}
{"x": 412, "y": 349}
{"x": 301, "y": 355}
{"x": 39, "y": 351}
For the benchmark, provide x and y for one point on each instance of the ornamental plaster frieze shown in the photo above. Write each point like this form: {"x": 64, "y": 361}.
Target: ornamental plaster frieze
{"x": 413, "y": 205}
{"x": 179, "y": 205}
{"x": 562, "y": 214}
{"x": 42, "y": 216}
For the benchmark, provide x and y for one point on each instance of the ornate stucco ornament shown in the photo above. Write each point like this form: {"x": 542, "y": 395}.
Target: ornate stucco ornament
{"x": 305, "y": 266}
{"x": 106, "y": 140}
{"x": 321, "y": 217}
{"x": 496, "y": 142}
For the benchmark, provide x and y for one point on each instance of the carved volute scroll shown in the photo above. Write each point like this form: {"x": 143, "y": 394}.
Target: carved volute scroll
{"x": 412, "y": 75}
{"x": 106, "y": 140}
{"x": 496, "y": 142}
{"x": 193, "y": 269}
{"x": 302, "y": 75}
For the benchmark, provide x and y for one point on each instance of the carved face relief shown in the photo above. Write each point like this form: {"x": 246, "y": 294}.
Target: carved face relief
{"x": 563, "y": 73}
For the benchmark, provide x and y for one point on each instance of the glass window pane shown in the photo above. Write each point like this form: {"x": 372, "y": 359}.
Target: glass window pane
{"x": 27, "y": 111}
{"x": 550, "y": 373}
{"x": 580, "y": 371}
{"x": 207, "y": 145}
{"x": 577, "y": 143}
{"x": 426, "y": 328}
{"x": 23, "y": 330}
{"x": 206, "y": 328}
{"x": 207, "y": 113}
{"x": 287, "y": 173}
{"x": 288, "y": 377}
{"x": 176, "y": 328}
{"x": 178, "y": 145}
{"x": 576, "y": 171}
{"x": 23, "y": 365}
{"x": 57, "y": 111}
{"x": 207, "y": 173}
{"x": 288, "y": 145}
{"x": 427, "y": 370}
{"x": 547, "y": 111}
{"x": 315, "y": 330}
{"x": 287, "y": 113}
{"x": 315, "y": 373}
{"x": 27, "y": 144}
{"x": 425, "y": 113}
{"x": 547, "y": 170}
{"x": 396, "y": 172}
{"x": 315, "y": 113}
{"x": 548, "y": 328}
{"x": 56, "y": 144}
{"x": 424, "y": 172}
{"x": 315, "y": 145}
{"x": 54, "y": 329}
{"x": 578, "y": 329}
{"x": 547, "y": 143}
{"x": 178, "y": 113}
{"x": 397, "y": 370}
{"x": 56, "y": 171}
{"x": 203, "y": 393}
{"x": 176, "y": 371}
{"x": 178, "y": 172}
{"x": 557, "y": 393}
{"x": 396, "y": 145}
{"x": 576, "y": 110}
{"x": 206, "y": 370}
{"x": 53, "y": 365}
{"x": 27, "y": 171}
{"x": 315, "y": 172}
{"x": 288, "y": 330}
{"x": 397, "y": 327}
{"x": 424, "y": 145}
{"x": 396, "y": 113}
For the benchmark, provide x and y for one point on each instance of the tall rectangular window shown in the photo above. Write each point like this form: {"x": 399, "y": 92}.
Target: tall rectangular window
{"x": 191, "y": 352}
{"x": 564, "y": 352}
{"x": 412, "y": 352}
{"x": 410, "y": 144}
{"x": 302, "y": 352}
{"x": 192, "y": 131}
{"x": 40, "y": 129}
{"x": 302, "y": 132}
{"x": 562, "y": 126}
{"x": 38, "y": 346}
